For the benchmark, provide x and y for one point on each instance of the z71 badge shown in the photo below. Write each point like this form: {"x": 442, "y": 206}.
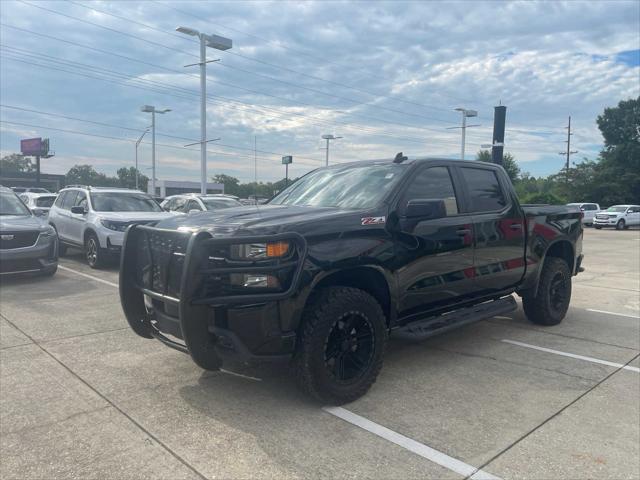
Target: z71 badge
{"x": 373, "y": 220}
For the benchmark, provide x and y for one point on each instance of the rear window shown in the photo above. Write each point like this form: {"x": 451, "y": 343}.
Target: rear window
{"x": 485, "y": 192}
{"x": 45, "y": 202}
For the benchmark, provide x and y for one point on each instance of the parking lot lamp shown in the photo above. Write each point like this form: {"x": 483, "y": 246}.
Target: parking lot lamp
{"x": 219, "y": 43}
{"x": 465, "y": 114}
{"x": 146, "y": 130}
{"x": 151, "y": 109}
{"x": 328, "y": 138}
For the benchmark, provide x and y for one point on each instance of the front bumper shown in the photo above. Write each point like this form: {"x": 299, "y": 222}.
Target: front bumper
{"x": 41, "y": 256}
{"x": 173, "y": 287}
{"x": 612, "y": 222}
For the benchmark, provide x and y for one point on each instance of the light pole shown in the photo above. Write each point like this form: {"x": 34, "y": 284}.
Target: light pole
{"x": 151, "y": 109}
{"x": 138, "y": 143}
{"x": 219, "y": 43}
{"x": 328, "y": 138}
{"x": 465, "y": 114}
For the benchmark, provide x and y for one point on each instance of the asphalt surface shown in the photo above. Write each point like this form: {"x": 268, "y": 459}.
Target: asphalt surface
{"x": 81, "y": 396}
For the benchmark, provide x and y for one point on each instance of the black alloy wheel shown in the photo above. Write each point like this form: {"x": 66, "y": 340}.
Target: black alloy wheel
{"x": 349, "y": 348}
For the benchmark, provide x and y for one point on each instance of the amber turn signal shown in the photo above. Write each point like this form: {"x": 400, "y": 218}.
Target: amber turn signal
{"x": 277, "y": 249}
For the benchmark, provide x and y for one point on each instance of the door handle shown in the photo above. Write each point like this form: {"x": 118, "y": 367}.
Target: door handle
{"x": 515, "y": 226}
{"x": 463, "y": 231}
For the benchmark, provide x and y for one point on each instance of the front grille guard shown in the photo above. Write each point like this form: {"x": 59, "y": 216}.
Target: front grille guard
{"x": 192, "y": 306}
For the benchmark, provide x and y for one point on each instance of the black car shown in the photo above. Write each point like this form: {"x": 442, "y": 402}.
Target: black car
{"x": 27, "y": 243}
{"x": 346, "y": 256}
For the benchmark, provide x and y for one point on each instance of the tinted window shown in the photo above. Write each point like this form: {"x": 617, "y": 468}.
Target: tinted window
{"x": 192, "y": 205}
{"x": 484, "y": 190}
{"x": 178, "y": 204}
{"x": 60, "y": 199}
{"x": 45, "y": 202}
{"x": 219, "y": 202}
{"x": 350, "y": 186}
{"x": 69, "y": 198}
{"x": 11, "y": 205}
{"x": 433, "y": 184}
{"x": 123, "y": 202}
{"x": 81, "y": 200}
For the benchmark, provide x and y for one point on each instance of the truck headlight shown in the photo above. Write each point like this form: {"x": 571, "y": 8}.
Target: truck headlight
{"x": 259, "y": 251}
{"x": 116, "y": 226}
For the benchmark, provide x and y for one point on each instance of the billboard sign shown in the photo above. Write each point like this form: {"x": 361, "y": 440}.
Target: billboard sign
{"x": 31, "y": 146}
{"x": 286, "y": 160}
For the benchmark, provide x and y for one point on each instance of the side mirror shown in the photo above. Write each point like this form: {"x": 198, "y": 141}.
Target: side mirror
{"x": 426, "y": 209}
{"x": 583, "y": 209}
{"x": 78, "y": 210}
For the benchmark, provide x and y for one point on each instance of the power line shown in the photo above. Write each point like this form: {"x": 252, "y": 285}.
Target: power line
{"x": 139, "y": 130}
{"x": 212, "y": 98}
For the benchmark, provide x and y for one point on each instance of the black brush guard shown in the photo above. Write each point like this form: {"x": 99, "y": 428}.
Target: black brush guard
{"x": 172, "y": 267}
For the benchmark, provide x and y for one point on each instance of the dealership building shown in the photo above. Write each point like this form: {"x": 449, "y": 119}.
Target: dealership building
{"x": 51, "y": 182}
{"x": 165, "y": 188}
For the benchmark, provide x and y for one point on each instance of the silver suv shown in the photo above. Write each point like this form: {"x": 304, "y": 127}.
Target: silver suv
{"x": 95, "y": 219}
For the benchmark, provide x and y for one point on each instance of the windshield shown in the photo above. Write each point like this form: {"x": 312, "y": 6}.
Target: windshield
{"x": 12, "y": 205}
{"x": 123, "y": 202}
{"x": 349, "y": 187}
{"x": 39, "y": 190}
{"x": 217, "y": 203}
{"x": 45, "y": 202}
{"x": 617, "y": 209}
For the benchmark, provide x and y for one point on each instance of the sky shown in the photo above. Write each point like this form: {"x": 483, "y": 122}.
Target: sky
{"x": 385, "y": 76}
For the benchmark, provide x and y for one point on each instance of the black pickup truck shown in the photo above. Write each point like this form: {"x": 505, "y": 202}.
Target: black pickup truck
{"x": 322, "y": 274}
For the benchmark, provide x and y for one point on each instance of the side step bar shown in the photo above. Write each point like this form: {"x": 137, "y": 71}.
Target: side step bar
{"x": 428, "y": 327}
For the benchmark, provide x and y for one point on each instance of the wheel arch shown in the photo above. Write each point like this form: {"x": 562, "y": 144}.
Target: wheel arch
{"x": 561, "y": 248}
{"x": 371, "y": 279}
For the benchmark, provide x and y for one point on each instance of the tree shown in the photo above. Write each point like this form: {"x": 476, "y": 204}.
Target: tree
{"x": 231, "y": 184}
{"x": 87, "y": 175}
{"x": 16, "y": 162}
{"x": 127, "y": 178}
{"x": 508, "y": 163}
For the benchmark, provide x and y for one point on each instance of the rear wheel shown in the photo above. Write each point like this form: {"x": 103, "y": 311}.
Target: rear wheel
{"x": 620, "y": 225}
{"x": 341, "y": 346}
{"x": 96, "y": 256}
{"x": 551, "y": 302}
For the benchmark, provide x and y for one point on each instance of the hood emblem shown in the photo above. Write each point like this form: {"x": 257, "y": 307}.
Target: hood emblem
{"x": 7, "y": 237}
{"x": 373, "y": 220}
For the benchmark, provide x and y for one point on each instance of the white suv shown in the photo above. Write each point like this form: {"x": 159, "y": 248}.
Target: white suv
{"x": 197, "y": 202}
{"x": 95, "y": 219}
{"x": 589, "y": 211}
{"x": 619, "y": 216}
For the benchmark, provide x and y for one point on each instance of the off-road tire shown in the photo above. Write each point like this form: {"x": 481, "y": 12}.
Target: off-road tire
{"x": 322, "y": 313}
{"x": 621, "y": 225}
{"x": 597, "y": 227}
{"x": 96, "y": 257}
{"x": 541, "y": 309}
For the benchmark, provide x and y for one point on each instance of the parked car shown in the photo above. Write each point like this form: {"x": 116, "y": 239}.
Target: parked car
{"x": 27, "y": 243}
{"x": 619, "y": 216}
{"x": 38, "y": 203}
{"x": 196, "y": 202}
{"x": 588, "y": 209}
{"x": 322, "y": 274}
{"x": 94, "y": 219}
{"x": 29, "y": 189}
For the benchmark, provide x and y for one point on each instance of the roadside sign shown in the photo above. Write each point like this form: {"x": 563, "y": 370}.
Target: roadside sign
{"x": 287, "y": 160}
{"x": 31, "y": 146}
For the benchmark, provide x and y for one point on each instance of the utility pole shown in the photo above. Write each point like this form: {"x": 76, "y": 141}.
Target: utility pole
{"x": 137, "y": 144}
{"x": 569, "y": 152}
{"x": 465, "y": 113}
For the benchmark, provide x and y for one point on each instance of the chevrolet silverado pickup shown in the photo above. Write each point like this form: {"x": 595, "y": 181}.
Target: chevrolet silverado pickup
{"x": 322, "y": 274}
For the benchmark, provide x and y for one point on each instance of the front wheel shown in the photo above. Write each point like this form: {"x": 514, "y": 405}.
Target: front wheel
{"x": 597, "y": 227}
{"x": 96, "y": 256}
{"x": 551, "y": 302}
{"x": 341, "y": 345}
{"x": 620, "y": 225}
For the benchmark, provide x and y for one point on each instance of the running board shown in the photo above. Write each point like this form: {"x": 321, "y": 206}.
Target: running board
{"x": 428, "y": 327}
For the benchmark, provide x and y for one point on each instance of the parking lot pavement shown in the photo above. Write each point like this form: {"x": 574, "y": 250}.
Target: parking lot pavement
{"x": 82, "y": 396}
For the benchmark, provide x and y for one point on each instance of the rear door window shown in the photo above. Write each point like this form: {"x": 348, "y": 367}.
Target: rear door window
{"x": 485, "y": 191}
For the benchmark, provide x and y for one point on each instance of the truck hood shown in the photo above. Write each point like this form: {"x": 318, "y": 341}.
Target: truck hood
{"x": 11, "y": 223}
{"x": 135, "y": 216}
{"x": 260, "y": 219}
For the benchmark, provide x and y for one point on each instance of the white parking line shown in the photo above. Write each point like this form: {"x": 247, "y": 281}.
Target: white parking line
{"x": 573, "y": 355}
{"x": 418, "y": 448}
{"x": 111, "y": 284}
{"x": 612, "y": 313}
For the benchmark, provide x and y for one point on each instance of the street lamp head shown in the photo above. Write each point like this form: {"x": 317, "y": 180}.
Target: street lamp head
{"x": 467, "y": 113}
{"x": 188, "y": 31}
{"x": 330, "y": 137}
{"x": 164, "y": 110}
{"x": 218, "y": 42}
{"x": 147, "y": 108}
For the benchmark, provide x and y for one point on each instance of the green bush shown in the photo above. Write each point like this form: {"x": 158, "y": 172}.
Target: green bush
{"x": 542, "y": 198}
